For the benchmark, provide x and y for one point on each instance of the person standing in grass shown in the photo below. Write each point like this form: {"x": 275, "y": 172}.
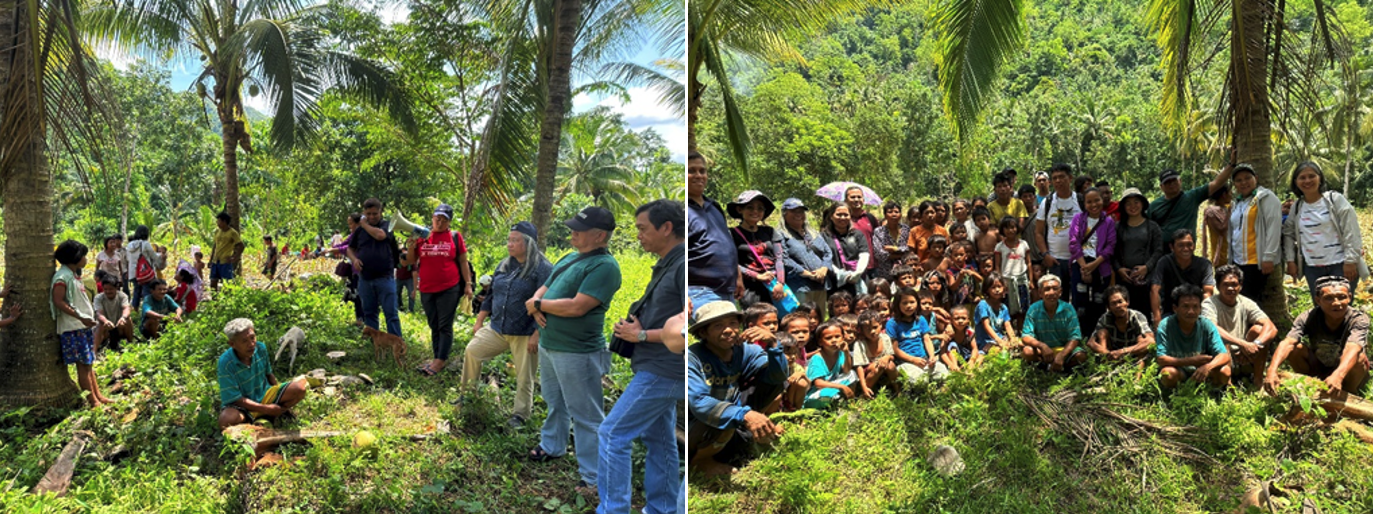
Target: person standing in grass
{"x": 224, "y": 254}
{"x": 151, "y": 257}
{"x": 269, "y": 265}
{"x": 247, "y": 387}
{"x": 373, "y": 251}
{"x": 647, "y": 410}
{"x": 1052, "y": 334}
{"x": 570, "y": 310}
{"x": 112, "y": 261}
{"x": 75, "y": 317}
{"x": 502, "y": 323}
{"x": 445, "y": 278}
{"x": 1189, "y": 346}
{"x": 113, "y": 315}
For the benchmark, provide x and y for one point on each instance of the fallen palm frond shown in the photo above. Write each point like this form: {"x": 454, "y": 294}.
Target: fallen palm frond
{"x": 1106, "y": 434}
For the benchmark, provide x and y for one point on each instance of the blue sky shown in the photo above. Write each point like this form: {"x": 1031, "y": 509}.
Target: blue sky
{"x": 642, "y": 111}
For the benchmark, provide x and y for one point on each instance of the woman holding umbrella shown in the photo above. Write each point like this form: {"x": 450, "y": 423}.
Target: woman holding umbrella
{"x": 760, "y": 248}
{"x": 851, "y": 252}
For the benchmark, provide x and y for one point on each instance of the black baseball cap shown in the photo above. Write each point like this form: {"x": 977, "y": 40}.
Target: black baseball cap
{"x": 592, "y": 217}
{"x": 1167, "y": 175}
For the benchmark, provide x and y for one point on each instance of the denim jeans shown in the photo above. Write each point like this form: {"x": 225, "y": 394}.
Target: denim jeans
{"x": 646, "y": 411}
{"x": 405, "y": 289}
{"x": 1314, "y": 274}
{"x": 379, "y": 293}
{"x": 701, "y": 295}
{"x": 571, "y": 384}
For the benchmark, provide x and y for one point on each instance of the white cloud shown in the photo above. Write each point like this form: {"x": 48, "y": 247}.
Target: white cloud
{"x": 644, "y": 111}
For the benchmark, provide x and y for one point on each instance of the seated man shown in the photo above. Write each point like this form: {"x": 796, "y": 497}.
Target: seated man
{"x": 1189, "y": 345}
{"x": 247, "y": 387}
{"x": 112, "y": 311}
{"x": 1051, "y": 333}
{"x": 157, "y": 309}
{"x": 729, "y": 384}
{"x": 1335, "y": 337}
{"x": 1243, "y": 326}
{"x": 1121, "y": 331}
{"x": 1175, "y": 269}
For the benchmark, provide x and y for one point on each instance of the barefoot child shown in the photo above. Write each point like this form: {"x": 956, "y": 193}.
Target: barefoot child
{"x": 992, "y": 320}
{"x": 831, "y": 370}
{"x": 961, "y": 345}
{"x": 1013, "y": 264}
{"x": 75, "y": 317}
{"x": 796, "y": 327}
{"x": 873, "y": 356}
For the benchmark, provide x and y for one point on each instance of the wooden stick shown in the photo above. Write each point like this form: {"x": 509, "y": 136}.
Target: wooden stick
{"x": 59, "y": 476}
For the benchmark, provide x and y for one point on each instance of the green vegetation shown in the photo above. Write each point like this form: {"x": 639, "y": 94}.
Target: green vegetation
{"x": 177, "y": 461}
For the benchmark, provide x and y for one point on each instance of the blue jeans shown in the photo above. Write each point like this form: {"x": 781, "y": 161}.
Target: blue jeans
{"x": 571, "y": 384}
{"x": 646, "y": 411}
{"x": 1314, "y": 274}
{"x": 379, "y": 293}
{"x": 701, "y": 295}
{"x": 402, "y": 287}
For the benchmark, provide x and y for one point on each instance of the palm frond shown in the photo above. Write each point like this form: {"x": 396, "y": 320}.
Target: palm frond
{"x": 1175, "y": 24}
{"x": 670, "y": 90}
{"x": 975, "y": 39}
{"x": 735, "y": 129}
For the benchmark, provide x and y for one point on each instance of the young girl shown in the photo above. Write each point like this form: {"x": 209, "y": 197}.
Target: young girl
{"x": 909, "y": 333}
{"x": 850, "y": 324}
{"x": 873, "y": 356}
{"x": 761, "y": 320}
{"x": 797, "y": 325}
{"x": 186, "y": 295}
{"x": 881, "y": 287}
{"x": 112, "y": 261}
{"x": 811, "y": 311}
{"x": 831, "y": 370}
{"x": 863, "y": 303}
{"x": 933, "y": 285}
{"x": 960, "y": 345}
{"x": 882, "y": 306}
{"x": 992, "y": 319}
{"x": 1014, "y": 267}
{"x": 1091, "y": 242}
{"x": 75, "y": 317}
{"x": 936, "y": 316}
{"x": 841, "y": 303}
{"x": 962, "y": 279}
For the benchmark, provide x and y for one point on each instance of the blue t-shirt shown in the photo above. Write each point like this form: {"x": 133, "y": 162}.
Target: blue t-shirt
{"x": 818, "y": 369}
{"x": 1204, "y": 339}
{"x": 998, "y": 318}
{"x": 909, "y": 336}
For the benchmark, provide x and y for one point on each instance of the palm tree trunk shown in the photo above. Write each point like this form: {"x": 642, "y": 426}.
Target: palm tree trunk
{"x": 1249, "y": 96}
{"x": 229, "y": 138}
{"x": 31, "y": 370}
{"x": 569, "y": 13}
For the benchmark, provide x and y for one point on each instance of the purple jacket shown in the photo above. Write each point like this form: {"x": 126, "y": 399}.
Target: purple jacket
{"x": 1105, "y": 239}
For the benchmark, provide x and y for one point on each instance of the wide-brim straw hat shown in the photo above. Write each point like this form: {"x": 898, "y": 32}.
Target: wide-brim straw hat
{"x": 747, "y": 197}
{"x": 710, "y": 313}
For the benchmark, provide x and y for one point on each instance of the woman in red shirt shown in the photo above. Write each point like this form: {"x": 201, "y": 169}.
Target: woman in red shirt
{"x": 444, "y": 278}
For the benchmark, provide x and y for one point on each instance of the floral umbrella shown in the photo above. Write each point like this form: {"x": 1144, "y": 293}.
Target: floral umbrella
{"x": 835, "y": 191}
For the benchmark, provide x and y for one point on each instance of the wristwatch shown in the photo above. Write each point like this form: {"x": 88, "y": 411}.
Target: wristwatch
{"x": 538, "y": 305}
{"x": 643, "y": 336}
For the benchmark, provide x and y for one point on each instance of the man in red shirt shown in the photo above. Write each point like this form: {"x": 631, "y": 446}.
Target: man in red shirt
{"x": 864, "y": 221}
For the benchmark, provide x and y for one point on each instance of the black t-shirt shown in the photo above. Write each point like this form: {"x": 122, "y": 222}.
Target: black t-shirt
{"x": 1167, "y": 274}
{"x": 379, "y": 257}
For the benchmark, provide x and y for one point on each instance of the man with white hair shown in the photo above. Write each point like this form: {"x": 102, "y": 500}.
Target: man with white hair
{"x": 247, "y": 388}
{"x": 1051, "y": 333}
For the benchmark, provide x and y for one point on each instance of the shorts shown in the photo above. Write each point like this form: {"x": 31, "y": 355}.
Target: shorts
{"x": 78, "y": 346}
{"x": 221, "y": 271}
{"x": 271, "y": 397}
{"x": 819, "y": 398}
{"x": 1017, "y": 294}
{"x": 915, "y": 374}
{"x": 143, "y": 329}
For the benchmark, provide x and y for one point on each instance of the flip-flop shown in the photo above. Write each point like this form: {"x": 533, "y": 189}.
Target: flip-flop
{"x": 424, "y": 370}
{"x": 539, "y": 455}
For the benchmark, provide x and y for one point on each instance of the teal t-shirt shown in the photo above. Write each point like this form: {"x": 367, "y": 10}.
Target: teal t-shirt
{"x": 1204, "y": 339}
{"x": 598, "y": 277}
{"x": 237, "y": 381}
{"x": 165, "y": 307}
{"x": 1184, "y": 215}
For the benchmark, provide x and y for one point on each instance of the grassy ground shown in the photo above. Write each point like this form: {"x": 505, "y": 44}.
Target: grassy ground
{"x": 1033, "y": 442}
{"x": 177, "y": 461}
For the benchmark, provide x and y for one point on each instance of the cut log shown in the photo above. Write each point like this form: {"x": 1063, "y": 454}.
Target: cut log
{"x": 59, "y": 476}
{"x": 1342, "y": 403}
{"x": 1359, "y": 430}
{"x": 264, "y": 440}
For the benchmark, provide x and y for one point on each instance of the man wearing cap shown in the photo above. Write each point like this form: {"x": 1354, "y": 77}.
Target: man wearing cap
{"x": 1178, "y": 209}
{"x": 374, "y": 252}
{"x": 1041, "y": 186}
{"x": 444, "y": 279}
{"x": 570, "y": 310}
{"x": 806, "y": 256}
{"x": 863, "y": 220}
{"x": 712, "y": 261}
{"x": 647, "y": 409}
{"x": 728, "y": 386}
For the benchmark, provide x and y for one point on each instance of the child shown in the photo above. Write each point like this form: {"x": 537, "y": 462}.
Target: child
{"x": 933, "y": 284}
{"x": 936, "y": 316}
{"x": 841, "y": 303}
{"x": 185, "y": 294}
{"x": 873, "y": 356}
{"x": 157, "y": 309}
{"x": 199, "y": 262}
{"x": 850, "y": 324}
{"x": 863, "y": 303}
{"x": 1014, "y": 267}
{"x": 986, "y": 265}
{"x": 992, "y": 319}
{"x": 831, "y": 370}
{"x": 811, "y": 311}
{"x": 881, "y": 287}
{"x": 761, "y": 320}
{"x": 902, "y": 276}
{"x": 112, "y": 315}
{"x": 909, "y": 333}
{"x": 797, "y": 325}
{"x": 75, "y": 317}
{"x": 269, "y": 266}
{"x": 883, "y": 307}
{"x": 987, "y": 235}
{"x": 1036, "y": 270}
{"x": 961, "y": 345}
{"x": 956, "y": 265}
{"x": 958, "y": 233}
{"x": 795, "y": 393}
{"x": 938, "y": 247}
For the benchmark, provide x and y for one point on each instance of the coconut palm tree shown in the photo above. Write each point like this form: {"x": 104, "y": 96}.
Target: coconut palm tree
{"x": 271, "y": 47}
{"x": 1266, "y": 67}
{"x": 593, "y": 162}
{"x": 45, "y": 91}
{"x": 762, "y": 29}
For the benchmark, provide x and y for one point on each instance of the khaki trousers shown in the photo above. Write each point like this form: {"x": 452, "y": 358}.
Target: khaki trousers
{"x": 487, "y": 344}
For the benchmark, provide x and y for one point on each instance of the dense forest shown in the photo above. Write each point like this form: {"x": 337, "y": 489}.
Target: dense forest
{"x": 861, "y": 102}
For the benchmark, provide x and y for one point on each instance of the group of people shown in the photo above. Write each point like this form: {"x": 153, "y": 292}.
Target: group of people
{"x": 1053, "y": 272}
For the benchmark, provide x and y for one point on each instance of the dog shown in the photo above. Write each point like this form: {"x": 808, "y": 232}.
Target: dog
{"x": 381, "y": 341}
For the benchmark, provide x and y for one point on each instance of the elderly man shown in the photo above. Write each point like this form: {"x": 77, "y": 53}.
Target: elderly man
{"x": 728, "y": 386}
{"x": 1243, "y": 326}
{"x": 1334, "y": 336}
{"x": 1175, "y": 269}
{"x": 1051, "y": 333}
{"x": 1189, "y": 346}
{"x": 647, "y": 409}
{"x": 247, "y": 388}
{"x": 570, "y": 310}
{"x": 712, "y": 259}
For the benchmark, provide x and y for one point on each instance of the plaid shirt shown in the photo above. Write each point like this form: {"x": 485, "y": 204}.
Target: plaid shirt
{"x": 1055, "y": 331}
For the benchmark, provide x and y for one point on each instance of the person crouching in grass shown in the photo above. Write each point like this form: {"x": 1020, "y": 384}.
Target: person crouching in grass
{"x": 831, "y": 370}
{"x": 112, "y": 311}
{"x": 157, "y": 309}
{"x": 1189, "y": 346}
{"x": 873, "y": 356}
{"x": 961, "y": 346}
{"x": 247, "y": 388}
{"x": 75, "y": 316}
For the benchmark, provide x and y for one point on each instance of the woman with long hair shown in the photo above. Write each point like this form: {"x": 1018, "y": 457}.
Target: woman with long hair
{"x": 1320, "y": 237}
{"x": 851, "y": 251}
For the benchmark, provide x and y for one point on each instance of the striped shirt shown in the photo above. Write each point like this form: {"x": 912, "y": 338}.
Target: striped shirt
{"x": 1054, "y": 331}
{"x": 237, "y": 381}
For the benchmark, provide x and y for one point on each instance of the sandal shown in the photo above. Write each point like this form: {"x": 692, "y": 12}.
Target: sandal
{"x": 539, "y": 455}
{"x": 426, "y": 371}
